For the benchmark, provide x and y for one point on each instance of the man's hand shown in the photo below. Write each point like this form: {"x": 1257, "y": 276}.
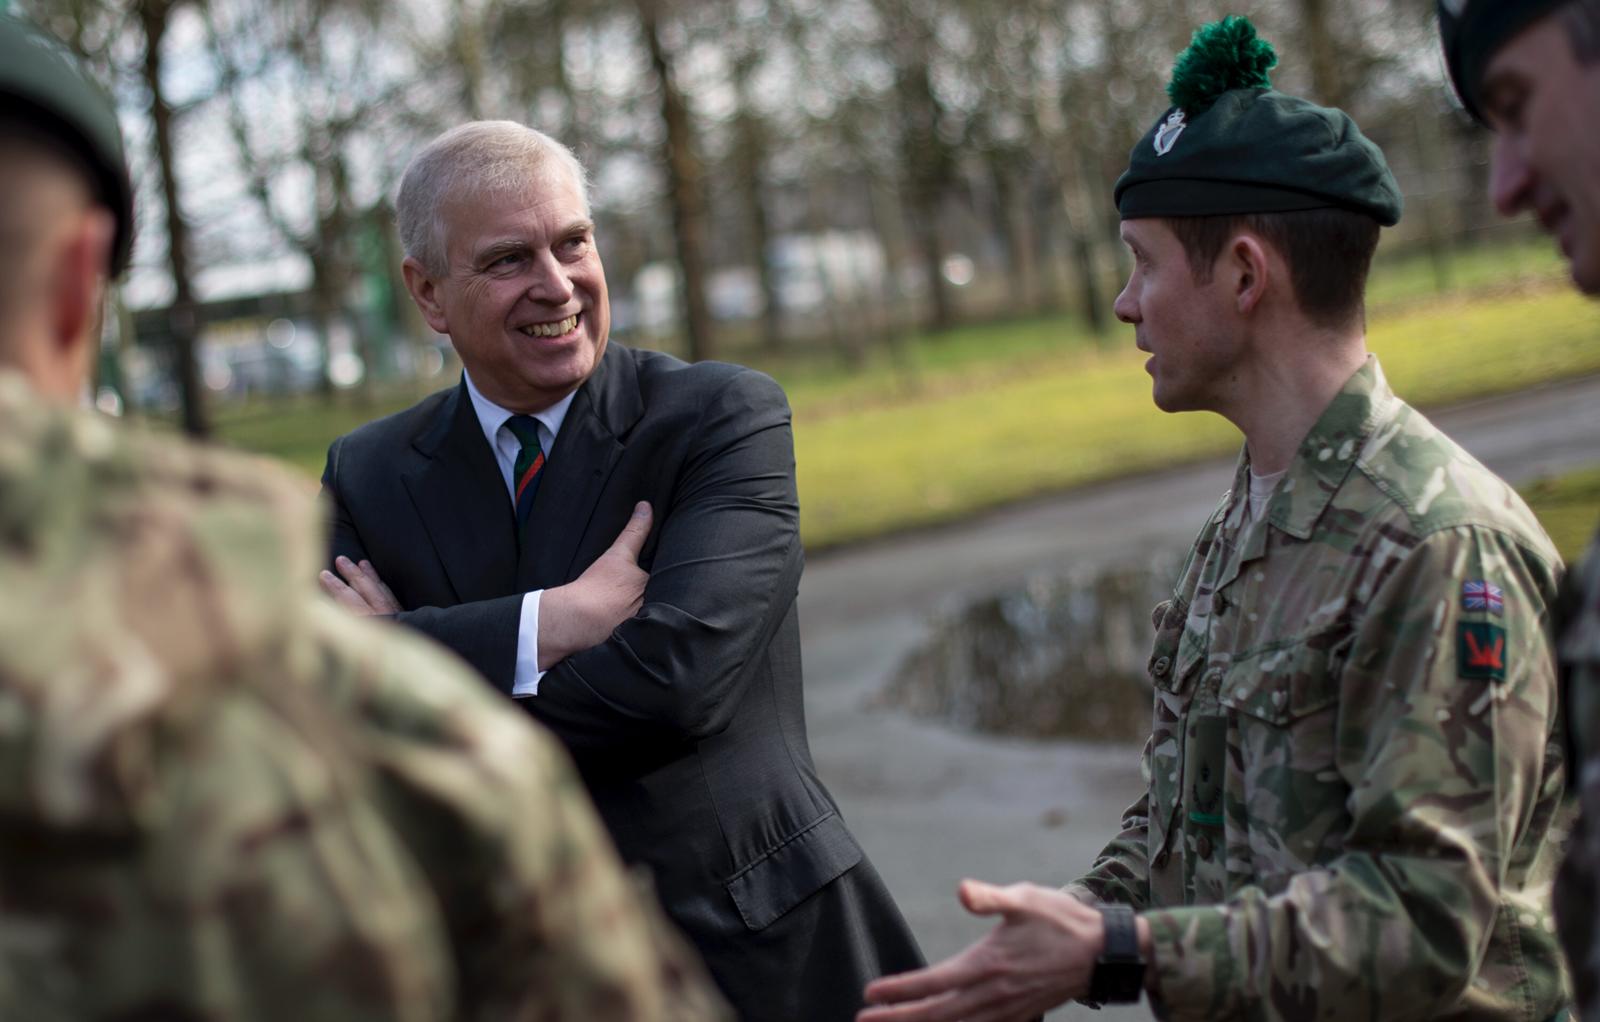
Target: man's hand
{"x": 365, "y": 594}
{"x": 1040, "y": 955}
{"x": 584, "y": 612}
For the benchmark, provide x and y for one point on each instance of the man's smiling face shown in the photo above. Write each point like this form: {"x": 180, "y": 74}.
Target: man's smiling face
{"x": 1543, "y": 104}
{"x": 523, "y": 293}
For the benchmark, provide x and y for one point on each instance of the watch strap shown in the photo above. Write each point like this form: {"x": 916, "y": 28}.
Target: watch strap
{"x": 1118, "y": 976}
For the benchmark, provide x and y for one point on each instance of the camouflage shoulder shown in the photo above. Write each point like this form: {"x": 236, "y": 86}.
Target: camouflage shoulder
{"x": 1436, "y": 485}
{"x": 143, "y": 573}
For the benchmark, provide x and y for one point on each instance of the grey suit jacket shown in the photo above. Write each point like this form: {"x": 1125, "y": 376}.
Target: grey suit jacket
{"x": 688, "y": 725}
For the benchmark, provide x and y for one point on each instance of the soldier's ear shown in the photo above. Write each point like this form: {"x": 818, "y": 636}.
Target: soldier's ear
{"x": 1249, "y": 271}
{"x": 425, "y": 292}
{"x": 76, "y": 284}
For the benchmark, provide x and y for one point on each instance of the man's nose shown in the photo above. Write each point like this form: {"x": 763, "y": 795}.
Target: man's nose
{"x": 1125, "y": 307}
{"x": 548, "y": 280}
{"x": 1510, "y": 176}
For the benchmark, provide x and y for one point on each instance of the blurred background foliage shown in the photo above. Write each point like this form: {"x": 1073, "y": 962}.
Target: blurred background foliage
{"x": 900, "y": 208}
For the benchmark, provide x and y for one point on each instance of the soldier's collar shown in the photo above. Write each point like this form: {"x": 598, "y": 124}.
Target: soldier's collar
{"x": 1329, "y": 450}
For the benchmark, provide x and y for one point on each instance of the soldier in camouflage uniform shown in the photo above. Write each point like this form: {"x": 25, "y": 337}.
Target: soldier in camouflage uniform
{"x": 1530, "y": 72}
{"x": 1354, "y": 764}
{"x": 220, "y": 796}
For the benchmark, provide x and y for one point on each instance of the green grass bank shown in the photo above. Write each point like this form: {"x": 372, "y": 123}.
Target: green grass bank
{"x": 1569, "y": 508}
{"x": 1086, "y": 415}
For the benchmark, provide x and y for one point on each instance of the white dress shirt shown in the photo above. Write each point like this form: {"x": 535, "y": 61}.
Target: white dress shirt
{"x": 506, "y": 447}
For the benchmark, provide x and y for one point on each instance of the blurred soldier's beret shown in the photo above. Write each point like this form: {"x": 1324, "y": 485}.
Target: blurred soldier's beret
{"x": 1232, "y": 144}
{"x": 1471, "y": 30}
{"x": 43, "y": 85}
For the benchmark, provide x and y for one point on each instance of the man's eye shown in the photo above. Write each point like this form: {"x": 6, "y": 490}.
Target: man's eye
{"x": 1504, "y": 108}
{"x": 506, "y": 261}
{"x": 575, "y": 247}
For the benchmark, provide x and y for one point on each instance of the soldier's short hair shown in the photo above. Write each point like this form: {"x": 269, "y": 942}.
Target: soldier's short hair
{"x": 1329, "y": 252}
{"x": 479, "y": 156}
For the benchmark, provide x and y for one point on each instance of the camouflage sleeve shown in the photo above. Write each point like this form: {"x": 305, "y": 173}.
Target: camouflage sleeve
{"x": 1444, "y": 722}
{"x": 1121, "y": 872}
{"x": 544, "y": 920}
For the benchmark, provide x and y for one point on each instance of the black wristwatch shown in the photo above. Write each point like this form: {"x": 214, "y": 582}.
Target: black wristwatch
{"x": 1118, "y": 976}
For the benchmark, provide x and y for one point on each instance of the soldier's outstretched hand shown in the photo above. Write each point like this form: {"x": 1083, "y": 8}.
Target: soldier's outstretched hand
{"x": 1040, "y": 955}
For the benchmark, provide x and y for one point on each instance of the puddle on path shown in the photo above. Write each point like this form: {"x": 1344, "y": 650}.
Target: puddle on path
{"x": 1061, "y": 656}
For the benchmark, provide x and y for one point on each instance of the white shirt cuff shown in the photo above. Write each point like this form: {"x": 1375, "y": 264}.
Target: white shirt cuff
{"x": 526, "y": 680}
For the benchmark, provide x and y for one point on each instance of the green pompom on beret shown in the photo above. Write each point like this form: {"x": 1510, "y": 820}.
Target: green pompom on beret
{"x": 43, "y": 85}
{"x": 1231, "y": 144}
{"x": 1472, "y": 30}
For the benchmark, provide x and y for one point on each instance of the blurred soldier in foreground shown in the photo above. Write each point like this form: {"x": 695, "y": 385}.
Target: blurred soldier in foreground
{"x": 1353, "y": 764}
{"x": 220, "y": 796}
{"x": 1531, "y": 73}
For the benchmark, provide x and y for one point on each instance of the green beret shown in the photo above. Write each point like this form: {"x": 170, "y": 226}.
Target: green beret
{"x": 1471, "y": 30}
{"x": 44, "y": 85}
{"x": 1232, "y": 144}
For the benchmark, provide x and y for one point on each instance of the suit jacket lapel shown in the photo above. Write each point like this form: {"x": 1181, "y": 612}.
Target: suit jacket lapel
{"x": 462, "y": 501}
{"x": 586, "y": 451}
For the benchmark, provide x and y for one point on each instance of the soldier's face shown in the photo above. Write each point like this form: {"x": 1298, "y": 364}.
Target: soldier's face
{"x": 1178, "y": 320}
{"x": 1544, "y": 107}
{"x": 523, "y": 295}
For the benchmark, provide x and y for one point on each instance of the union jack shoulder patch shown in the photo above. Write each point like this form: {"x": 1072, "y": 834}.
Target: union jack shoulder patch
{"x": 1476, "y": 594}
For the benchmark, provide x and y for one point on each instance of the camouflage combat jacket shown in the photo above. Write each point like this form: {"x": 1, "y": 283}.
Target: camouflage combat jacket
{"x": 221, "y": 797}
{"x": 1577, "y": 895}
{"x": 1354, "y": 765}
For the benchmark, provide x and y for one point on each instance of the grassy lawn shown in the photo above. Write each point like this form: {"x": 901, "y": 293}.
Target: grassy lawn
{"x": 984, "y": 415}
{"x": 1086, "y": 415}
{"x": 1569, "y": 508}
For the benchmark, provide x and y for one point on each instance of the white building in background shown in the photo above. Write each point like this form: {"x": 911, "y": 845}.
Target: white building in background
{"x": 815, "y": 272}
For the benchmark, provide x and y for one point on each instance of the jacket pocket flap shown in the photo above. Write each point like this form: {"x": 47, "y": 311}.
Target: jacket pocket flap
{"x": 1283, "y": 684}
{"x": 792, "y": 872}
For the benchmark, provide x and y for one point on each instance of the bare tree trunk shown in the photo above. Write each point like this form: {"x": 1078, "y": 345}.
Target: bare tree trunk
{"x": 182, "y": 321}
{"x": 750, "y": 168}
{"x": 684, "y": 190}
{"x": 468, "y": 47}
{"x": 926, "y": 169}
{"x": 1327, "y": 82}
{"x": 1425, "y": 130}
{"x": 1012, "y": 219}
{"x": 1083, "y": 227}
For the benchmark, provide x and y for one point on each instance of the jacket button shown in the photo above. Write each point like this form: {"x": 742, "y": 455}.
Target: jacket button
{"x": 1219, "y": 604}
{"x": 1162, "y": 665}
{"x": 1202, "y": 845}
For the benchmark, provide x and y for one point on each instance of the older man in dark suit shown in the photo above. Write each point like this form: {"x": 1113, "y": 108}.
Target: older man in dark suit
{"x": 677, "y": 691}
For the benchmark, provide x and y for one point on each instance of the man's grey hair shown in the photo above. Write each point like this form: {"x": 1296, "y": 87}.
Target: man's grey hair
{"x": 479, "y": 156}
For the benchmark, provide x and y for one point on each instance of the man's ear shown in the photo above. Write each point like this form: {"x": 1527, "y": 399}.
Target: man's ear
{"x": 1250, "y": 271}
{"x": 77, "y": 280}
{"x": 425, "y": 292}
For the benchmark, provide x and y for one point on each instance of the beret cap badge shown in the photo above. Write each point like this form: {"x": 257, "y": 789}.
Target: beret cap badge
{"x": 1167, "y": 134}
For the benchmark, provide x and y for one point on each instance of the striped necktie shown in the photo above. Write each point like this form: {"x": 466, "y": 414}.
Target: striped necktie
{"x": 530, "y": 461}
